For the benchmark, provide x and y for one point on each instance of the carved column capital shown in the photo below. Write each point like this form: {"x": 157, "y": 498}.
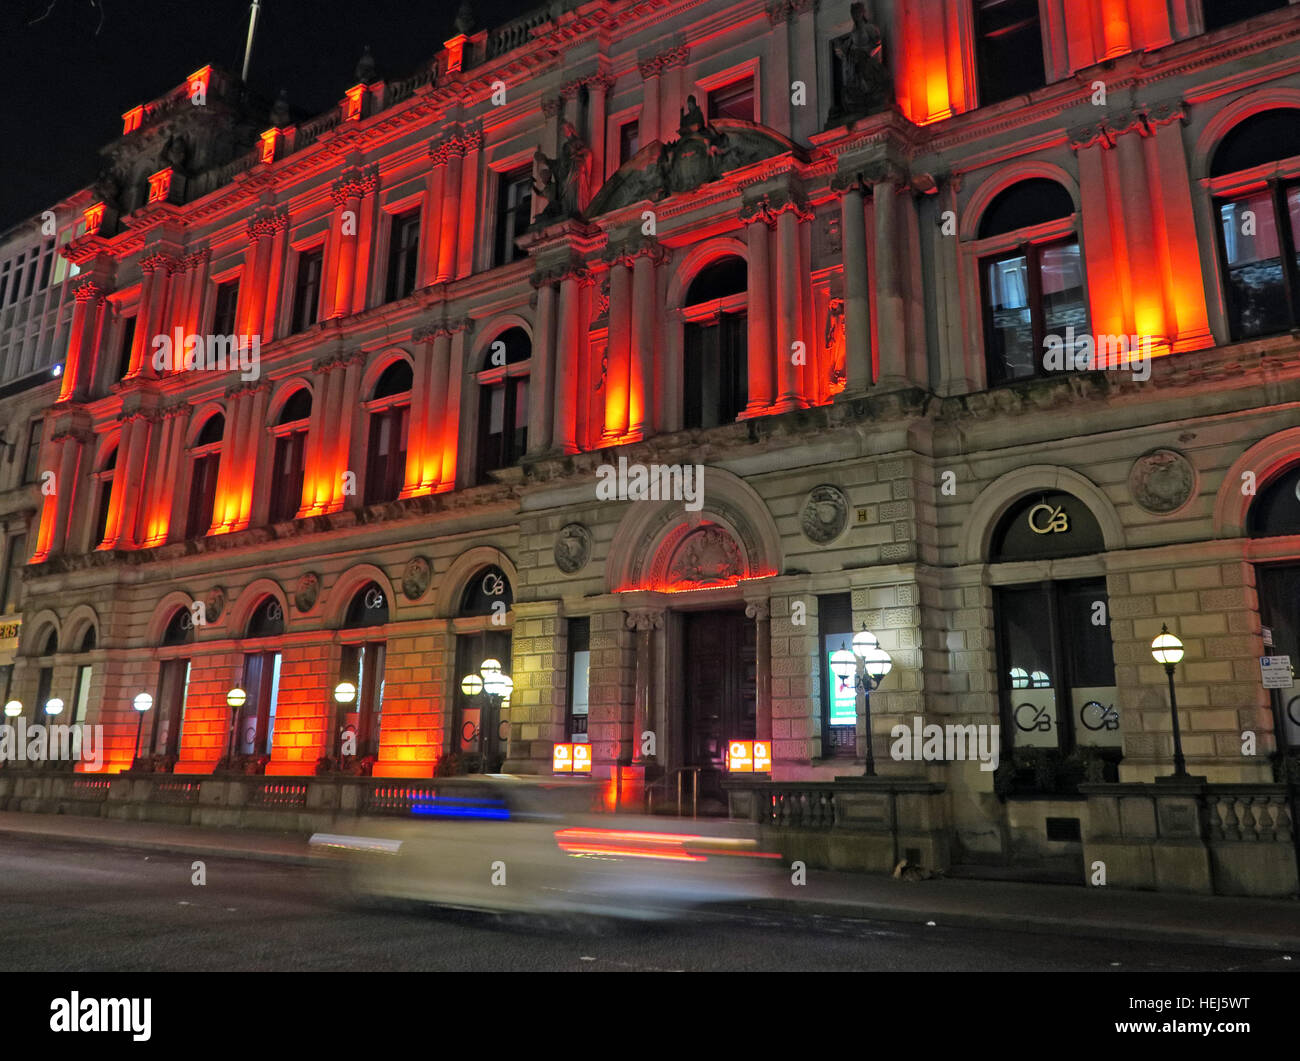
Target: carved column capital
{"x": 644, "y": 620}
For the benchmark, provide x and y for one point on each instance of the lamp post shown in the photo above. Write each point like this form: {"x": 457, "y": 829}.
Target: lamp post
{"x": 53, "y": 706}
{"x": 141, "y": 703}
{"x": 13, "y": 708}
{"x": 866, "y": 664}
{"x": 496, "y": 686}
{"x": 344, "y": 693}
{"x": 1168, "y": 650}
{"x": 235, "y": 699}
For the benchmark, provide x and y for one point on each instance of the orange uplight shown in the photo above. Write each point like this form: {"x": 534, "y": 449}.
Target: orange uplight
{"x": 571, "y": 759}
{"x": 749, "y": 756}
{"x": 270, "y": 141}
{"x": 132, "y": 119}
{"x": 198, "y": 82}
{"x": 93, "y": 215}
{"x": 160, "y": 184}
{"x": 352, "y": 103}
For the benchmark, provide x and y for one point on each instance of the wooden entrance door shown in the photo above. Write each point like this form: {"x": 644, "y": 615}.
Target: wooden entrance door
{"x": 721, "y": 694}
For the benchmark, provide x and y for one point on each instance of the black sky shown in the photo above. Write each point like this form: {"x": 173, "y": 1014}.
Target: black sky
{"x": 66, "y": 85}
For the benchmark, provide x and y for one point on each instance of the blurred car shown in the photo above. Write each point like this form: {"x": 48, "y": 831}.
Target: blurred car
{"x": 541, "y": 845}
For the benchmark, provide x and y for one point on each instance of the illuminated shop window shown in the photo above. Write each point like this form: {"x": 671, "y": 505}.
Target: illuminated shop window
{"x": 579, "y": 680}
{"x": 715, "y": 376}
{"x": 503, "y": 402}
{"x": 255, "y": 727}
{"x": 288, "y": 460}
{"x": 390, "y": 416}
{"x": 1034, "y": 288}
{"x": 205, "y": 461}
{"x": 1259, "y": 223}
{"x": 1008, "y": 49}
{"x": 839, "y": 697}
{"x": 1225, "y": 12}
{"x": 360, "y": 721}
{"x": 403, "y": 254}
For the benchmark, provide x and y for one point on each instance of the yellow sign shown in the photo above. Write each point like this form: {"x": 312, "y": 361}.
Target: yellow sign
{"x": 1054, "y": 522}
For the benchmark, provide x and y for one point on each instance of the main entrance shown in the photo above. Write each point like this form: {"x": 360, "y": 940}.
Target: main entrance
{"x": 721, "y": 695}
{"x": 1279, "y": 606}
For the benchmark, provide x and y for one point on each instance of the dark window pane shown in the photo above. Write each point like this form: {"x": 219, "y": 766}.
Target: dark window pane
{"x": 306, "y": 299}
{"x": 514, "y": 207}
{"x": 223, "y": 317}
{"x": 1023, "y": 205}
{"x": 1009, "y": 48}
{"x": 124, "y": 351}
{"x": 1010, "y": 324}
{"x": 1257, "y": 287}
{"x": 403, "y": 254}
{"x": 1220, "y": 13}
{"x": 734, "y": 101}
{"x": 1027, "y": 679}
{"x": 629, "y": 140}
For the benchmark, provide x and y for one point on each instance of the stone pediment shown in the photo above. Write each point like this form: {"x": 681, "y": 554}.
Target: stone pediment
{"x": 660, "y": 170}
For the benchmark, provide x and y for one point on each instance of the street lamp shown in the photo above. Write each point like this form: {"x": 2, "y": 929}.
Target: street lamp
{"x": 490, "y": 681}
{"x": 13, "y": 709}
{"x": 1168, "y": 650}
{"x": 235, "y": 699}
{"x": 345, "y": 693}
{"x": 141, "y": 703}
{"x": 867, "y": 665}
{"x": 54, "y": 706}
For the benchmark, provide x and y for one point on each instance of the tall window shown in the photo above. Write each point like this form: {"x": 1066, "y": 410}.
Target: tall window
{"x": 403, "y": 254}
{"x": 169, "y": 710}
{"x": 734, "y": 101}
{"x": 390, "y": 416}
{"x": 1220, "y": 13}
{"x": 482, "y": 720}
{"x": 288, "y": 462}
{"x": 205, "y": 461}
{"x": 227, "y": 301}
{"x": 579, "y": 682}
{"x": 629, "y": 140}
{"x": 839, "y": 697}
{"x": 124, "y": 346}
{"x": 1008, "y": 49}
{"x": 44, "y": 684}
{"x": 716, "y": 380}
{"x": 306, "y": 291}
{"x": 503, "y": 402}
{"x": 514, "y": 207}
{"x": 104, "y": 497}
{"x": 13, "y": 576}
{"x": 261, "y": 684}
{"x": 1258, "y": 204}
{"x": 33, "y": 457}
{"x": 1032, "y": 284}
{"x": 361, "y": 720}
{"x": 81, "y": 694}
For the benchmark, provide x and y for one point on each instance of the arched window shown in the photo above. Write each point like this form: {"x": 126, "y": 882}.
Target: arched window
{"x": 1276, "y": 511}
{"x": 362, "y": 666}
{"x": 104, "y": 495}
{"x": 715, "y": 373}
{"x": 1031, "y": 277}
{"x": 205, "y": 462}
{"x": 390, "y": 416}
{"x": 503, "y": 402}
{"x": 267, "y": 619}
{"x": 180, "y": 628}
{"x": 1258, "y": 226}
{"x": 287, "y": 465}
{"x": 482, "y": 718}
{"x": 1056, "y": 667}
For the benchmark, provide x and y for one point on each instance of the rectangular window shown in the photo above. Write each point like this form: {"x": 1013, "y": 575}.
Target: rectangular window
{"x": 1008, "y": 49}
{"x": 1030, "y": 293}
{"x": 514, "y": 206}
{"x": 81, "y": 698}
{"x": 386, "y": 456}
{"x": 14, "y": 573}
{"x": 124, "y": 349}
{"x": 287, "y": 474}
{"x": 579, "y": 681}
{"x": 203, "y": 495}
{"x": 17, "y": 276}
{"x": 360, "y": 721}
{"x": 44, "y": 682}
{"x": 839, "y": 697}
{"x": 47, "y": 263}
{"x": 1261, "y": 263}
{"x": 734, "y": 101}
{"x": 1220, "y": 13}
{"x": 256, "y": 726}
{"x": 32, "y": 464}
{"x": 403, "y": 254}
{"x": 629, "y": 140}
{"x": 169, "y": 717}
{"x": 306, "y": 293}
{"x": 226, "y": 303}
{"x": 105, "y": 499}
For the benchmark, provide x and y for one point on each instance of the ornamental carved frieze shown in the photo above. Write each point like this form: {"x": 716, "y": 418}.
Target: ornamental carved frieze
{"x": 706, "y": 557}
{"x": 572, "y": 548}
{"x": 88, "y": 290}
{"x": 1143, "y": 120}
{"x": 416, "y": 578}
{"x": 824, "y": 515}
{"x": 266, "y": 221}
{"x": 306, "y": 592}
{"x": 355, "y": 183}
{"x": 1162, "y": 481}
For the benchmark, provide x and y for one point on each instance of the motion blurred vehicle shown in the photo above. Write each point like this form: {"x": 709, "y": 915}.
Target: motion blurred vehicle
{"x": 544, "y": 846}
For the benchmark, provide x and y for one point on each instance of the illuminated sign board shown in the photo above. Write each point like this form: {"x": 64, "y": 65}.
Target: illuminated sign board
{"x": 749, "y": 756}
{"x": 571, "y": 759}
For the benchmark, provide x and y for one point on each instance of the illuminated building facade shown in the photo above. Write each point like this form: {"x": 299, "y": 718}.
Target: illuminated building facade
{"x": 824, "y": 252}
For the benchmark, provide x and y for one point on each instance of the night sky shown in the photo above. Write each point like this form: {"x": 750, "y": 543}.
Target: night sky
{"x": 66, "y": 85}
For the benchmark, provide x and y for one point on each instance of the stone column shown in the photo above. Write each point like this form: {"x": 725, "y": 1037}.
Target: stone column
{"x": 431, "y": 213}
{"x": 649, "y": 118}
{"x": 598, "y": 86}
{"x": 345, "y": 425}
{"x": 569, "y": 332}
{"x": 1129, "y": 158}
{"x": 130, "y": 468}
{"x": 69, "y": 446}
{"x": 790, "y": 283}
{"x": 857, "y": 296}
{"x": 891, "y": 324}
{"x": 472, "y": 144}
{"x": 646, "y": 321}
{"x": 644, "y": 623}
{"x": 440, "y": 404}
{"x": 153, "y": 269}
{"x": 347, "y": 192}
{"x": 449, "y": 237}
{"x": 83, "y": 340}
{"x": 777, "y": 104}
{"x": 254, "y": 289}
{"x": 758, "y": 223}
{"x": 420, "y": 430}
{"x": 541, "y": 384}
{"x": 672, "y": 91}
{"x": 318, "y": 475}
{"x": 618, "y": 350}
{"x": 760, "y": 612}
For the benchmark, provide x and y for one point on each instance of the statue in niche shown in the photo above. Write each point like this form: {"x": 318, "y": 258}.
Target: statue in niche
{"x": 864, "y": 83}
{"x": 565, "y": 185}
{"x": 835, "y": 345}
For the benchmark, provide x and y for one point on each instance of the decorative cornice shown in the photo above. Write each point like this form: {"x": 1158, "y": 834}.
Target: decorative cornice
{"x": 265, "y": 221}
{"x": 88, "y": 290}
{"x": 354, "y": 184}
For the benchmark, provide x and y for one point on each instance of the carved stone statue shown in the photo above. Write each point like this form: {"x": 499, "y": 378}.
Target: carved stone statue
{"x": 565, "y": 186}
{"x": 696, "y": 156}
{"x": 865, "y": 85}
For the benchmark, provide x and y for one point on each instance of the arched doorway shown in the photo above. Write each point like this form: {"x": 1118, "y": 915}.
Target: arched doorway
{"x": 360, "y": 718}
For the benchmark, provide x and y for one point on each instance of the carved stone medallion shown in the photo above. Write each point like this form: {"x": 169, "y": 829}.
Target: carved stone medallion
{"x": 306, "y": 592}
{"x": 215, "y": 604}
{"x": 572, "y": 548}
{"x": 1162, "y": 481}
{"x": 825, "y": 514}
{"x": 416, "y": 577}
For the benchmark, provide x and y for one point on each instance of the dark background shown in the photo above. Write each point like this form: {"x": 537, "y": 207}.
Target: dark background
{"x": 67, "y": 75}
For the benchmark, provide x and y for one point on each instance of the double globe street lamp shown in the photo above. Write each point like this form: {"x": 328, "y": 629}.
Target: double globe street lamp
{"x": 866, "y": 664}
{"x": 490, "y": 681}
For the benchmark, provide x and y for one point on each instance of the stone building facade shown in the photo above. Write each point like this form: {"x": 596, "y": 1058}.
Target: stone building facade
{"x": 819, "y": 252}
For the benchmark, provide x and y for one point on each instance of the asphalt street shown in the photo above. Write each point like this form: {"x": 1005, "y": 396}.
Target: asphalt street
{"x": 66, "y": 906}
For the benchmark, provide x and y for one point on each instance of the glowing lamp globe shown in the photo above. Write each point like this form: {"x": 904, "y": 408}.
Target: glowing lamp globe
{"x": 471, "y": 685}
{"x": 345, "y": 692}
{"x": 844, "y": 664}
{"x": 54, "y": 706}
{"x": 878, "y": 663}
{"x": 1166, "y": 648}
{"x": 142, "y": 702}
{"x": 13, "y": 709}
{"x": 863, "y": 642}
{"x": 236, "y": 697}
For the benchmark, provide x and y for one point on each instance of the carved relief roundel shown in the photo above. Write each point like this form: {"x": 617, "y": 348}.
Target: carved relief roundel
{"x": 825, "y": 514}
{"x": 1162, "y": 481}
{"x": 572, "y": 548}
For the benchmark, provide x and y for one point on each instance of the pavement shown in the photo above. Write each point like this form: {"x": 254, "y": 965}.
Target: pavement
{"x": 1050, "y": 909}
